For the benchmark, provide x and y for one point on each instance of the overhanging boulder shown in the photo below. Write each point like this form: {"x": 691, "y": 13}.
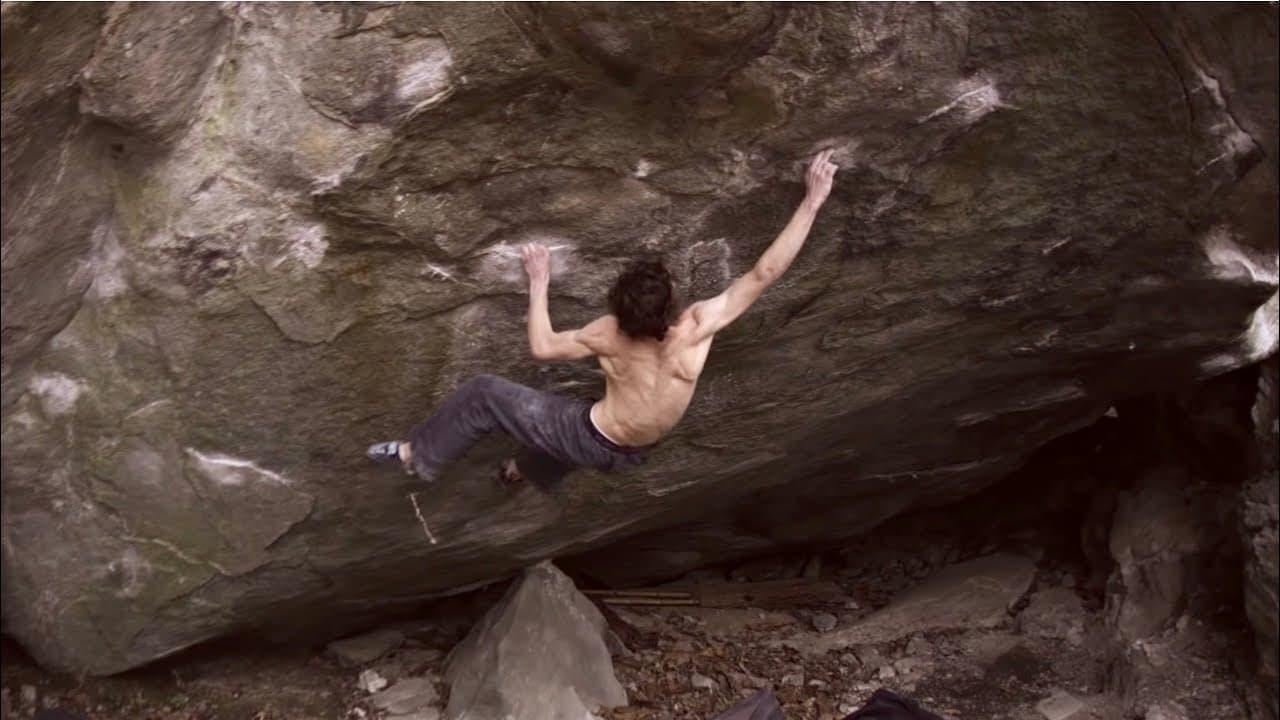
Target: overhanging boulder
{"x": 243, "y": 241}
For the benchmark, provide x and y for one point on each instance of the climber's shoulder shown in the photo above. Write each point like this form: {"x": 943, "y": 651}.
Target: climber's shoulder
{"x": 687, "y": 330}
{"x": 600, "y": 335}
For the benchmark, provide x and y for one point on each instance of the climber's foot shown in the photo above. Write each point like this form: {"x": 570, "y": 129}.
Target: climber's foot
{"x": 385, "y": 451}
{"x": 509, "y": 473}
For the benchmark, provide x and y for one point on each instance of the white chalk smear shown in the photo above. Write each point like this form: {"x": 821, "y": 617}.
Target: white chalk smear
{"x": 976, "y": 102}
{"x": 428, "y": 76}
{"x": 309, "y": 245}
{"x": 1055, "y": 245}
{"x": 213, "y": 464}
{"x": 441, "y": 273}
{"x": 1263, "y": 336}
{"x": 498, "y": 258}
{"x": 1259, "y": 341}
{"x": 57, "y": 392}
{"x": 1229, "y": 260}
{"x": 505, "y": 250}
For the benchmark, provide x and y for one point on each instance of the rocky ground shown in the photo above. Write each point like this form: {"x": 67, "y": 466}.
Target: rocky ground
{"x": 1049, "y": 660}
{"x": 220, "y": 683}
{"x": 1031, "y": 644}
{"x": 242, "y": 680}
{"x": 1045, "y": 654}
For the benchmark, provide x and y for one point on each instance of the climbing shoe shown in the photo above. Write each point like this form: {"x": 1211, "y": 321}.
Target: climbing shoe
{"x": 384, "y": 451}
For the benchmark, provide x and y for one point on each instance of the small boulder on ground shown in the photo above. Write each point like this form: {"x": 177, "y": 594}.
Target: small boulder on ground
{"x": 1054, "y": 613}
{"x": 410, "y": 695}
{"x": 869, "y": 656}
{"x": 973, "y": 594}
{"x": 918, "y": 646}
{"x": 1061, "y": 705}
{"x": 1165, "y": 710}
{"x": 363, "y": 649}
{"x": 824, "y": 622}
{"x": 539, "y": 653}
{"x": 699, "y": 681}
{"x": 371, "y": 681}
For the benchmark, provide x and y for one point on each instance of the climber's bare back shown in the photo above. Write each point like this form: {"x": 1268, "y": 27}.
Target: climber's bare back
{"x": 649, "y": 382}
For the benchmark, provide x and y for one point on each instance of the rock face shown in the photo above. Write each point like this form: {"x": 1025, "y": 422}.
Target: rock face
{"x": 1158, "y": 526}
{"x": 1054, "y": 613}
{"x": 1180, "y": 580}
{"x": 540, "y": 653}
{"x": 242, "y": 241}
{"x": 1260, "y": 516}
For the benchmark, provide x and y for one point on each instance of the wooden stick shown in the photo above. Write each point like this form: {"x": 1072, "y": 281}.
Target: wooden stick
{"x": 637, "y": 593}
{"x": 648, "y": 601}
{"x": 414, "y": 499}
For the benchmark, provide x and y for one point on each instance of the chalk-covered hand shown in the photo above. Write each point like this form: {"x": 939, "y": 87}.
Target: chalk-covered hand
{"x": 818, "y": 178}
{"x": 537, "y": 263}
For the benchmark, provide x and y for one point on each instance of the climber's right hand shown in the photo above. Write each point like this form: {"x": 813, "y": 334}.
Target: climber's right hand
{"x": 818, "y": 178}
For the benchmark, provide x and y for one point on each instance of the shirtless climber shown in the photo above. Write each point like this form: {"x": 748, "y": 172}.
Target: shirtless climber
{"x": 650, "y": 351}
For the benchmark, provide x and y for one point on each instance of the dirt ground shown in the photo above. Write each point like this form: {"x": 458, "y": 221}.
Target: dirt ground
{"x": 216, "y": 683}
{"x": 988, "y": 673}
{"x": 689, "y": 663}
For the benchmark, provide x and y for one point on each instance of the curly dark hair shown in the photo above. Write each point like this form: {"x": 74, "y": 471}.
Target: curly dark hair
{"x": 643, "y": 299}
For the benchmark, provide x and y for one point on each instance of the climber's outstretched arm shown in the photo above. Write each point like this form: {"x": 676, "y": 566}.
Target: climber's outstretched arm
{"x": 544, "y": 342}
{"x": 714, "y": 314}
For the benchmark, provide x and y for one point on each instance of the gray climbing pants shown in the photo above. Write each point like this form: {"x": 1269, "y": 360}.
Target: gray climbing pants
{"x": 557, "y": 431}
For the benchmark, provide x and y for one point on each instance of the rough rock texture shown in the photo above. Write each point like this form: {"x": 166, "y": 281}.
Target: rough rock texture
{"x": 1260, "y": 516}
{"x": 1158, "y": 527}
{"x": 1062, "y": 706}
{"x": 409, "y": 696}
{"x": 1181, "y": 673}
{"x": 242, "y": 241}
{"x": 363, "y": 649}
{"x": 1179, "y": 576}
{"x": 539, "y": 653}
{"x": 1054, "y": 613}
{"x": 974, "y": 594}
